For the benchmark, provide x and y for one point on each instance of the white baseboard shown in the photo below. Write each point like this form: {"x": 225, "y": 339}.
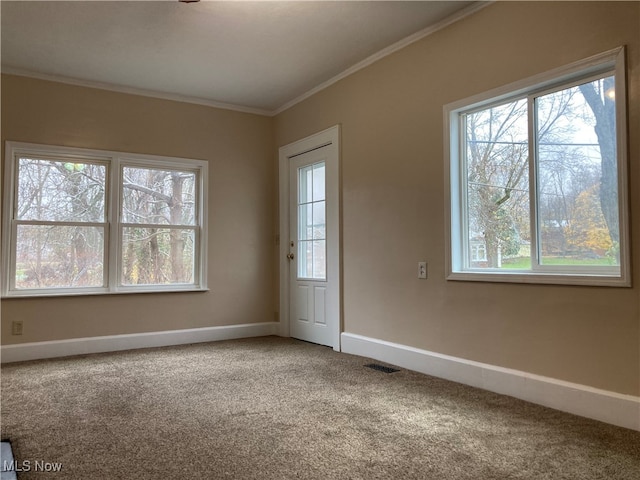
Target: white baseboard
{"x": 610, "y": 407}
{"x": 79, "y": 346}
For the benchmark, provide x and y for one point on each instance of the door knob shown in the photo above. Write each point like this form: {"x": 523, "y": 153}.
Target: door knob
{"x": 290, "y": 256}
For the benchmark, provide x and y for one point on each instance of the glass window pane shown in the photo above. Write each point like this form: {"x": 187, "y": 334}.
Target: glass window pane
{"x": 305, "y": 184}
{"x": 305, "y": 259}
{"x": 59, "y": 256}
{"x": 305, "y": 221}
{"x": 162, "y": 197}
{"x": 319, "y": 260}
{"x": 157, "y": 256}
{"x": 497, "y": 183}
{"x": 577, "y": 176}
{"x": 319, "y": 222}
{"x": 61, "y": 191}
{"x": 312, "y": 259}
{"x": 318, "y": 182}
{"x": 312, "y": 222}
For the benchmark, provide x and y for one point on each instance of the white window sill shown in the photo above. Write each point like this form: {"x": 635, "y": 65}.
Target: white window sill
{"x": 123, "y": 291}
{"x": 539, "y": 278}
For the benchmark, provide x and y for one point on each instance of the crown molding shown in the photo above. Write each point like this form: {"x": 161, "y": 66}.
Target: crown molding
{"x": 465, "y": 12}
{"x": 133, "y": 91}
{"x": 461, "y": 14}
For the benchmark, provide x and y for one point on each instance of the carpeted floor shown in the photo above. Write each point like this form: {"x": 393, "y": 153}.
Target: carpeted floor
{"x": 275, "y": 408}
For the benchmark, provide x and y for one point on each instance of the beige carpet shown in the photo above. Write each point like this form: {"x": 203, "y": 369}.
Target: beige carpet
{"x": 274, "y": 408}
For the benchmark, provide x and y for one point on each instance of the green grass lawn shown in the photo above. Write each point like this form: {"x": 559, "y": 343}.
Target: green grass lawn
{"x": 525, "y": 262}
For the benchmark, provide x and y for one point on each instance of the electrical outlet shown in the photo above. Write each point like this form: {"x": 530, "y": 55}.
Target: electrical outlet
{"x": 422, "y": 270}
{"x": 16, "y": 327}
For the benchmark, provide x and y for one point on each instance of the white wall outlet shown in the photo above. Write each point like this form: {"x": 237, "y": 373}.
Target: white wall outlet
{"x": 422, "y": 269}
{"x": 16, "y": 327}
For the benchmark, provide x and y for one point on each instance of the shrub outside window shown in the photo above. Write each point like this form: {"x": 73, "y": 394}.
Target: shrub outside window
{"x": 80, "y": 221}
{"x": 537, "y": 176}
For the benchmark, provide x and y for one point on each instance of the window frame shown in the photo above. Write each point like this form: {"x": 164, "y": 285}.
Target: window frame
{"x": 115, "y": 162}
{"x": 458, "y": 261}
{"x": 310, "y": 240}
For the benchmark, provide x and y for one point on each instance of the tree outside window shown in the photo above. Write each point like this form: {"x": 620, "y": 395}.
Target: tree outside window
{"x": 539, "y": 171}
{"x": 62, "y": 235}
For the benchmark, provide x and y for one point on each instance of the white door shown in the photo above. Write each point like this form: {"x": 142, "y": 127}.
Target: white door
{"x": 310, "y": 244}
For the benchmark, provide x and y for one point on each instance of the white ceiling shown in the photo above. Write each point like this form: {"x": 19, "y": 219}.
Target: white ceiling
{"x": 256, "y": 56}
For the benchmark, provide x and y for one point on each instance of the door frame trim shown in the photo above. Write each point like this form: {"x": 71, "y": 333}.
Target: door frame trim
{"x": 328, "y": 137}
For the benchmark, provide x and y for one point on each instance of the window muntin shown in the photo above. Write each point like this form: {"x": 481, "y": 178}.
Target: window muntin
{"x": 537, "y": 175}
{"x": 88, "y": 221}
{"x": 478, "y": 251}
{"x": 312, "y": 230}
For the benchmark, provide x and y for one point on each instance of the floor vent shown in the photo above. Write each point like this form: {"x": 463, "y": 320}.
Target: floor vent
{"x": 382, "y": 368}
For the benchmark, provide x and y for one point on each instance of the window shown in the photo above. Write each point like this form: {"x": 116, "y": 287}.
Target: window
{"x": 88, "y": 221}
{"x": 537, "y": 175}
{"x": 312, "y": 228}
{"x": 478, "y": 251}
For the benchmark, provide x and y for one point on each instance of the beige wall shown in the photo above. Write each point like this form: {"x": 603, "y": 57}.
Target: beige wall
{"x": 393, "y": 197}
{"x": 393, "y": 200}
{"x": 238, "y": 147}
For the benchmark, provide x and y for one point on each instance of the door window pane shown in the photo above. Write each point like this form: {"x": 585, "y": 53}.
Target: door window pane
{"x": 305, "y": 221}
{"x": 319, "y": 259}
{"x": 305, "y": 259}
{"x": 318, "y": 182}
{"x": 312, "y": 222}
{"x": 305, "y": 184}
{"x": 319, "y": 222}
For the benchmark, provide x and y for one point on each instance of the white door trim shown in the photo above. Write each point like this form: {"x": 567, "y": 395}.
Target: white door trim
{"x": 330, "y": 136}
